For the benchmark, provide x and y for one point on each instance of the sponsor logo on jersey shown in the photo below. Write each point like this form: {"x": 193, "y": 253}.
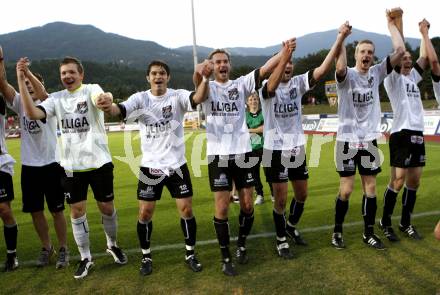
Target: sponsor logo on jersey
{"x": 362, "y": 99}
{"x": 370, "y": 82}
{"x": 158, "y": 129}
{"x": 75, "y": 125}
{"x": 220, "y": 106}
{"x": 82, "y": 107}
{"x": 31, "y": 126}
{"x": 233, "y": 94}
{"x": 166, "y": 112}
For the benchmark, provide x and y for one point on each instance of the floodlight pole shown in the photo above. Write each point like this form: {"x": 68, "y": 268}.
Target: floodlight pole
{"x": 194, "y": 34}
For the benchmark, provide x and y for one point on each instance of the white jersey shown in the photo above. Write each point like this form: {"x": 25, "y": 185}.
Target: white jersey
{"x": 225, "y": 109}
{"x": 359, "y": 105}
{"x": 6, "y": 161}
{"x": 160, "y": 120}
{"x": 38, "y": 137}
{"x": 282, "y": 114}
{"x": 436, "y": 86}
{"x": 83, "y": 141}
{"x": 405, "y": 98}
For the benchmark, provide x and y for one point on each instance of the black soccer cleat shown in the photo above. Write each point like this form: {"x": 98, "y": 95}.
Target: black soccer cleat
{"x": 241, "y": 255}
{"x": 11, "y": 262}
{"x": 118, "y": 255}
{"x": 193, "y": 263}
{"x": 284, "y": 251}
{"x": 388, "y": 232}
{"x": 83, "y": 269}
{"x": 410, "y": 232}
{"x": 338, "y": 241}
{"x": 228, "y": 267}
{"x": 294, "y": 234}
{"x": 373, "y": 241}
{"x": 146, "y": 266}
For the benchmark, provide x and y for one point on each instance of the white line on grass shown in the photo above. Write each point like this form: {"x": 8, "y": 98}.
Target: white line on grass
{"x": 251, "y": 237}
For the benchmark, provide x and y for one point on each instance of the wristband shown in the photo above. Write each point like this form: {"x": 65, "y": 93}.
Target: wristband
{"x": 204, "y": 79}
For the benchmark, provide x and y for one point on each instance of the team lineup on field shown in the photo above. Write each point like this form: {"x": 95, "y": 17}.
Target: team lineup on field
{"x": 252, "y": 121}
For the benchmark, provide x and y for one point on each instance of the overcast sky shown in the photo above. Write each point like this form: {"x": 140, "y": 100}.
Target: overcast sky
{"x": 221, "y": 23}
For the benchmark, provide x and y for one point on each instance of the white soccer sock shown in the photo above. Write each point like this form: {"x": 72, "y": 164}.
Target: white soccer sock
{"x": 80, "y": 229}
{"x": 110, "y": 224}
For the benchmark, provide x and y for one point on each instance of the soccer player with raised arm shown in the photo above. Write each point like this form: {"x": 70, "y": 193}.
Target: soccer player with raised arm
{"x": 40, "y": 172}
{"x": 159, "y": 112}
{"x": 406, "y": 143}
{"x": 85, "y": 155}
{"x": 10, "y": 228}
{"x": 228, "y": 148}
{"x": 359, "y": 127}
{"x": 284, "y": 157}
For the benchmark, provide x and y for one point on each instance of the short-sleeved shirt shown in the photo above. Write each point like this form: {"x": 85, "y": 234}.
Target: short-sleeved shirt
{"x": 160, "y": 120}
{"x": 283, "y": 125}
{"x": 255, "y": 120}
{"x": 83, "y": 140}
{"x": 358, "y": 103}
{"x": 38, "y": 137}
{"x": 404, "y": 95}
{"x": 226, "y": 129}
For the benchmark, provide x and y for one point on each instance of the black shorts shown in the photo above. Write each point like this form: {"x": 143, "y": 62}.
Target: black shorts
{"x": 38, "y": 182}
{"x": 407, "y": 149}
{"x": 223, "y": 170}
{"x": 363, "y": 155}
{"x": 6, "y": 187}
{"x": 152, "y": 181}
{"x": 76, "y": 184}
{"x": 281, "y": 166}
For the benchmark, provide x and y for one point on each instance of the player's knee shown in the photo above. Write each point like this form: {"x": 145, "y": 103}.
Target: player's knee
{"x": 186, "y": 212}
{"x": 5, "y": 211}
{"x": 280, "y": 205}
{"x": 397, "y": 183}
{"x": 247, "y": 207}
{"x": 344, "y": 195}
{"x": 301, "y": 197}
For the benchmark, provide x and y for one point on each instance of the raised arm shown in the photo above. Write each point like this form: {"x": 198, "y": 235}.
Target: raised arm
{"x": 423, "y": 60}
{"x": 29, "y": 107}
{"x": 270, "y": 65}
{"x": 396, "y": 38}
{"x": 341, "y": 64}
{"x": 203, "y": 69}
{"x": 5, "y": 88}
{"x": 38, "y": 87}
{"x": 202, "y": 72}
{"x": 344, "y": 31}
{"x": 429, "y": 48}
{"x": 275, "y": 78}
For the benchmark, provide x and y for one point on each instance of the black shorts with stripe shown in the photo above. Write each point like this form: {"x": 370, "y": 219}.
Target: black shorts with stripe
{"x": 407, "y": 149}
{"x": 364, "y": 156}
{"x": 281, "y": 166}
{"x": 40, "y": 182}
{"x": 152, "y": 181}
{"x": 6, "y": 187}
{"x": 76, "y": 184}
{"x": 223, "y": 169}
